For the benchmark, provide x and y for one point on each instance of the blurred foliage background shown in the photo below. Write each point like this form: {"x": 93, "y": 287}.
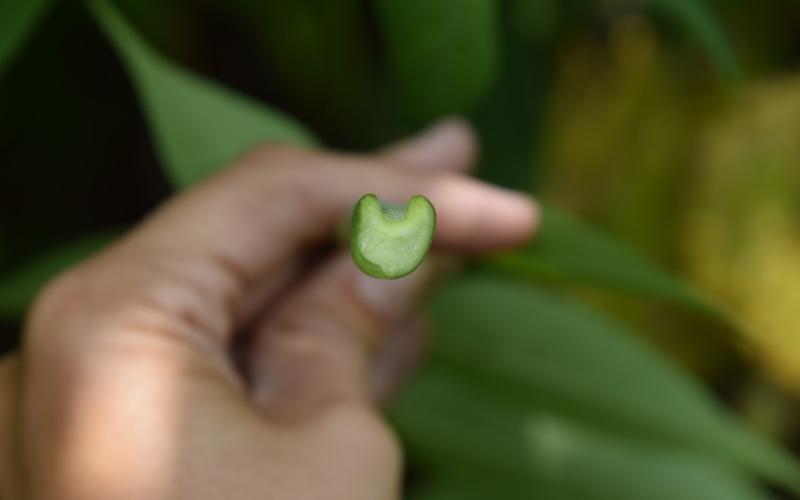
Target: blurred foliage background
{"x": 646, "y": 345}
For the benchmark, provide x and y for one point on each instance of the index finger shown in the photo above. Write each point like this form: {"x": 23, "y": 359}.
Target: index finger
{"x": 248, "y": 221}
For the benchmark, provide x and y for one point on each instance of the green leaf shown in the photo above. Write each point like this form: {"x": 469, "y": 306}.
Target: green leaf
{"x": 480, "y": 484}
{"x": 17, "y": 19}
{"x": 442, "y": 53}
{"x": 562, "y": 356}
{"x": 700, "y": 22}
{"x": 20, "y": 286}
{"x": 509, "y": 118}
{"x": 320, "y": 57}
{"x": 566, "y": 249}
{"x": 474, "y": 440}
{"x": 198, "y": 126}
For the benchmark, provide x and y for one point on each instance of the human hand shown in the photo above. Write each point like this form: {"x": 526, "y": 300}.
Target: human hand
{"x": 213, "y": 353}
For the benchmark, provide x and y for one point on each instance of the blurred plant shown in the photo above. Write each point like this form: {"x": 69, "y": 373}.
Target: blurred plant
{"x": 634, "y": 138}
{"x": 528, "y": 393}
{"x": 16, "y": 20}
{"x": 742, "y": 238}
{"x": 625, "y": 140}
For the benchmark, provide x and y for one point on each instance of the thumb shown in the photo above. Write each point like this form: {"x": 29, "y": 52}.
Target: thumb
{"x": 314, "y": 348}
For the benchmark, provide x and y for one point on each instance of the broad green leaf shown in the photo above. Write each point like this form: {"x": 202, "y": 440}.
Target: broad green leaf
{"x": 700, "y": 22}
{"x": 459, "y": 489}
{"x": 198, "y": 126}
{"x": 20, "y": 286}
{"x": 566, "y": 249}
{"x": 569, "y": 359}
{"x": 468, "y": 435}
{"x": 442, "y": 53}
{"x": 320, "y": 57}
{"x": 508, "y": 117}
{"x": 17, "y": 19}
{"x": 479, "y": 484}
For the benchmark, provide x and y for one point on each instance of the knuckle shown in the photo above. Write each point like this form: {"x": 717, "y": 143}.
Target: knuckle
{"x": 64, "y": 293}
{"x": 62, "y": 300}
{"x": 314, "y": 341}
{"x": 376, "y": 436}
{"x": 336, "y": 319}
{"x": 367, "y": 435}
{"x": 8, "y": 366}
{"x": 445, "y": 178}
{"x": 90, "y": 312}
{"x": 438, "y": 183}
{"x": 276, "y": 154}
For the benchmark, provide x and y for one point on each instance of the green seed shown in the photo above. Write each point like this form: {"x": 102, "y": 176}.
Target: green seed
{"x": 390, "y": 241}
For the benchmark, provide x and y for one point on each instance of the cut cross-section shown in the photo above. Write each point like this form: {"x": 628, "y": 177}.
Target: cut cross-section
{"x": 390, "y": 241}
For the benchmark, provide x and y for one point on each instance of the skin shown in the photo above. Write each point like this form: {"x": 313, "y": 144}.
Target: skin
{"x": 207, "y": 356}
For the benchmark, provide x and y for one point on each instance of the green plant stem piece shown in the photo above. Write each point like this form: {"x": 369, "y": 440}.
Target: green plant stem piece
{"x": 390, "y": 241}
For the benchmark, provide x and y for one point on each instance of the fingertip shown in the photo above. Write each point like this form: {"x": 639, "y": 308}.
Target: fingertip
{"x": 476, "y": 217}
{"x": 460, "y": 140}
{"x": 510, "y": 217}
{"x": 526, "y": 216}
{"x": 448, "y": 145}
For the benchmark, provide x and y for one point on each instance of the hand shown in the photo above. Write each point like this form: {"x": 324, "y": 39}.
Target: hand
{"x": 214, "y": 353}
